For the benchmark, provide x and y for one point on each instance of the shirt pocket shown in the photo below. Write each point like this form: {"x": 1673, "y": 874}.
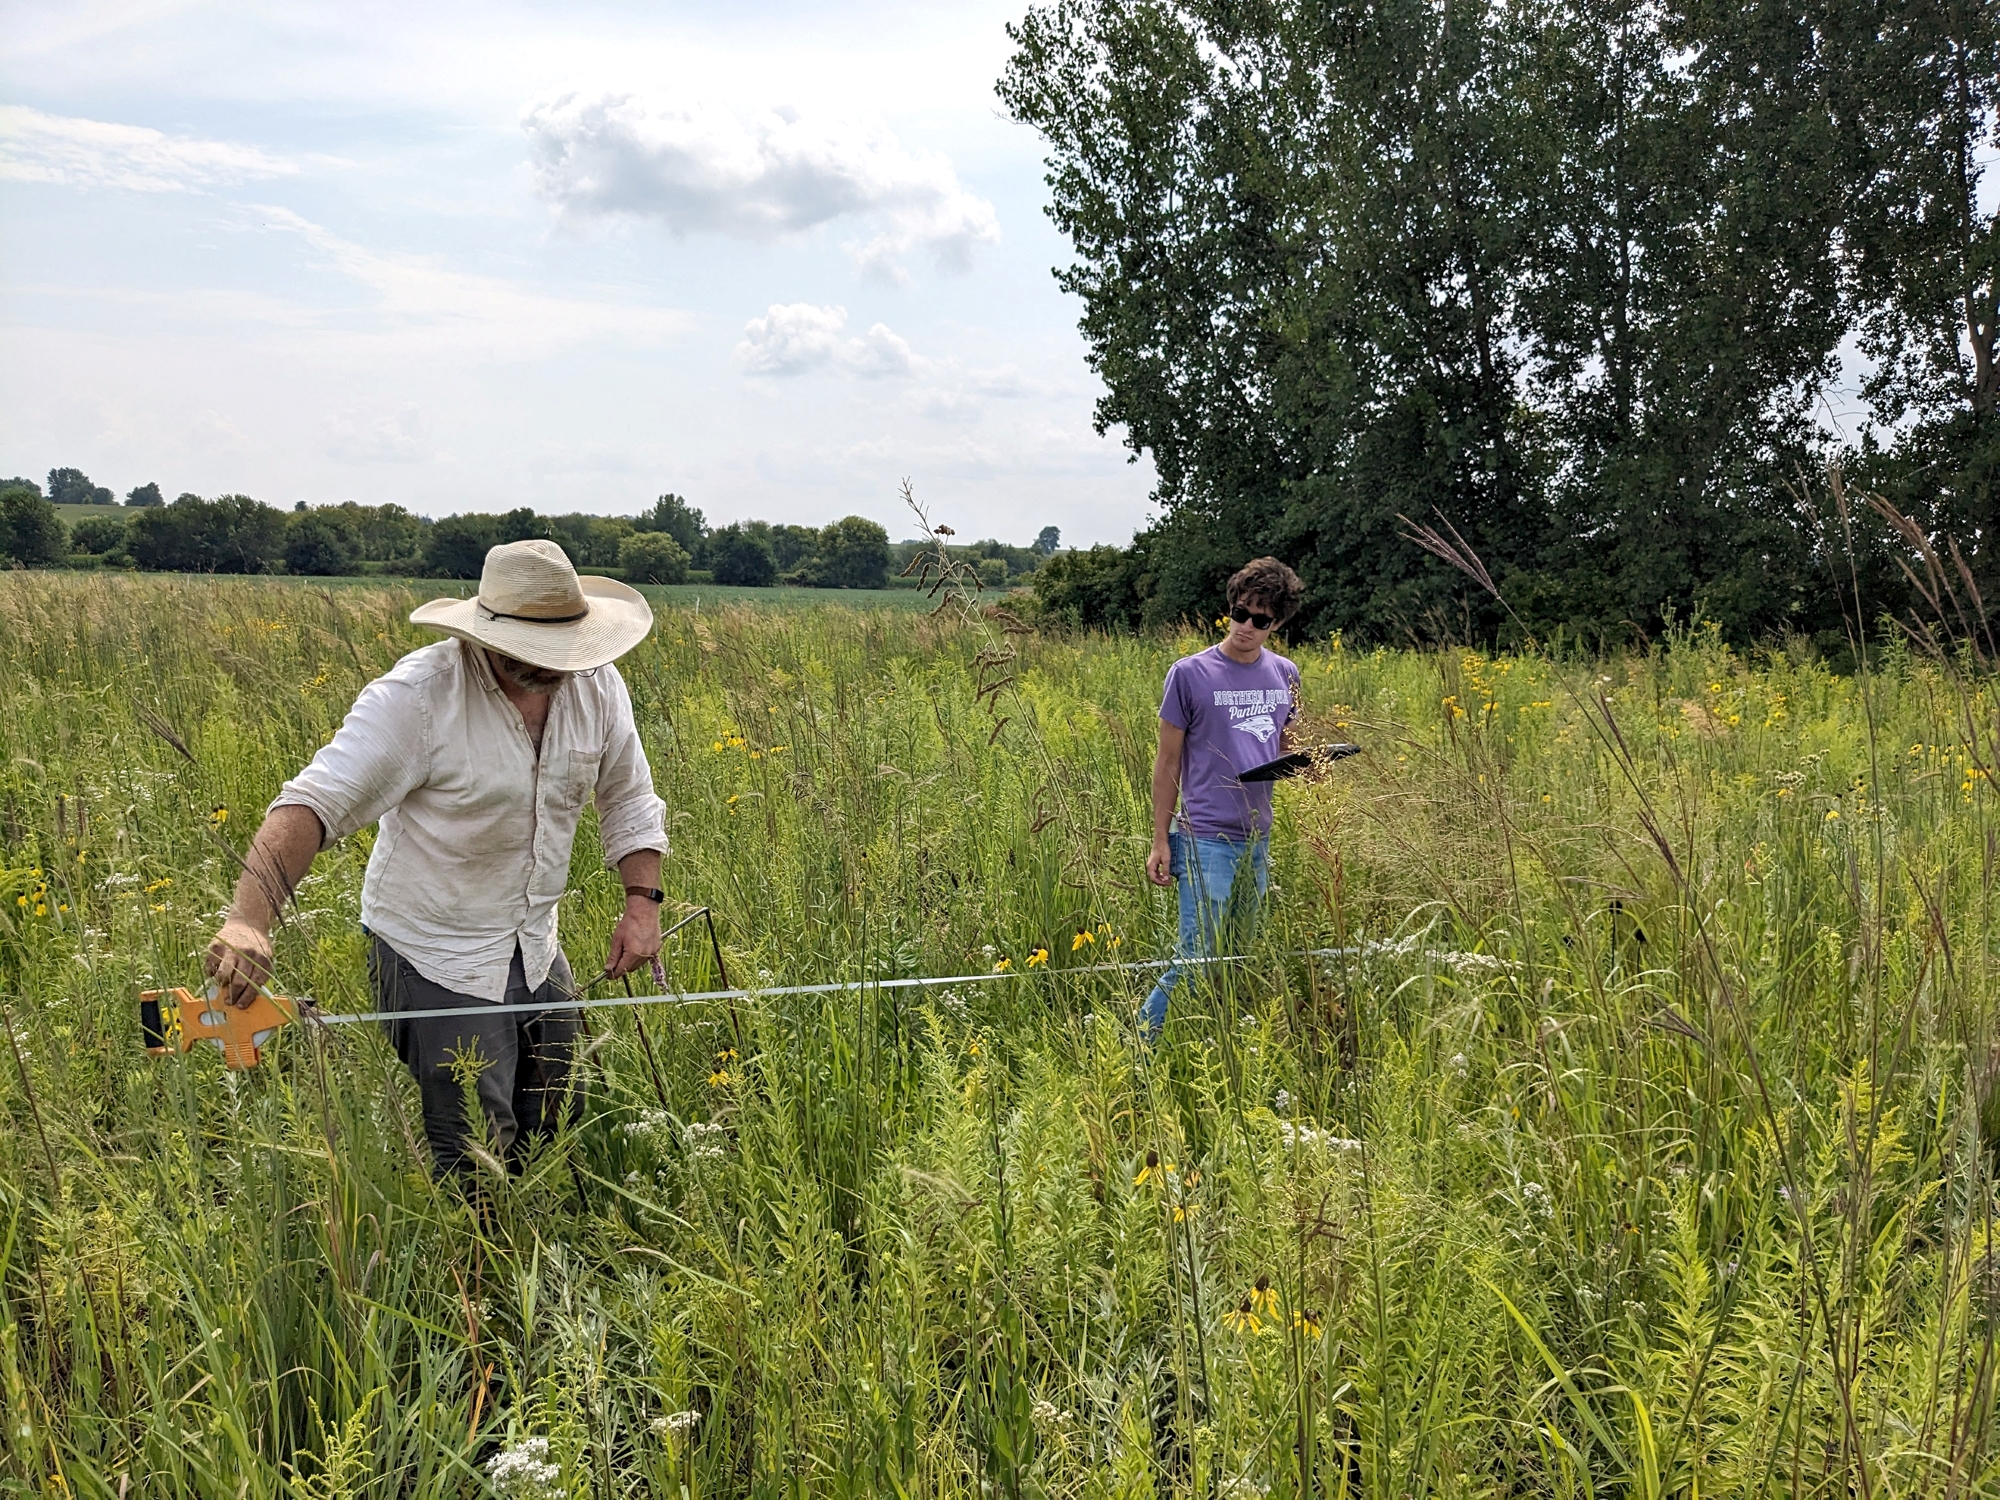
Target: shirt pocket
{"x": 576, "y": 779}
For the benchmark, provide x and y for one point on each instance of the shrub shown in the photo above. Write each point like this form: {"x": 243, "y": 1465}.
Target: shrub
{"x": 853, "y": 553}
{"x": 456, "y": 547}
{"x": 1105, "y": 588}
{"x": 739, "y": 557}
{"x": 30, "y": 531}
{"x": 229, "y": 534}
{"x": 653, "y": 557}
{"x": 322, "y": 543}
{"x": 98, "y": 536}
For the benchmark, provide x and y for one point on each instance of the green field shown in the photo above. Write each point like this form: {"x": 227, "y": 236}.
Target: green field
{"x": 1629, "y": 1143}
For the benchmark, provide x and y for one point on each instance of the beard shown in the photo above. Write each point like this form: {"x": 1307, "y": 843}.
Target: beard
{"x": 526, "y": 676}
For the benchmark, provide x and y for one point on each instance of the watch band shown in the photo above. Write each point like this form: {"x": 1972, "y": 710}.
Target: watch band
{"x": 655, "y": 895}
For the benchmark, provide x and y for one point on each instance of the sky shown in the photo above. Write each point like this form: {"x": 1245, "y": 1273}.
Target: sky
{"x": 773, "y": 257}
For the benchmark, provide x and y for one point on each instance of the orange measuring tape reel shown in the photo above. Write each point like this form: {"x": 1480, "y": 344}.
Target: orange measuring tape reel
{"x": 175, "y": 1020}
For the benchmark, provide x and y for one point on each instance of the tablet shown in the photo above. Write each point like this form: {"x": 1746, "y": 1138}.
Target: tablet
{"x": 1290, "y": 765}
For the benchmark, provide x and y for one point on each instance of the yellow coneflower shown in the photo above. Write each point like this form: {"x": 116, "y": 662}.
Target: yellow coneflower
{"x": 218, "y": 815}
{"x": 1264, "y": 1298}
{"x": 1039, "y": 956}
{"x": 1152, "y": 1171}
{"x": 718, "y": 1079}
{"x": 726, "y": 1055}
{"x": 1309, "y": 1323}
{"x": 717, "y": 747}
{"x": 1185, "y": 1211}
{"x": 1242, "y": 1319}
{"x": 1083, "y": 935}
{"x": 1003, "y": 966}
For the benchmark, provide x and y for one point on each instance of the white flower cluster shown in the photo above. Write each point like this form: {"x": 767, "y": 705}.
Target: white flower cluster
{"x": 1283, "y": 1103}
{"x": 651, "y": 1122}
{"x": 1305, "y": 1135}
{"x": 1537, "y": 1199}
{"x": 707, "y": 1141}
{"x": 675, "y": 1426}
{"x": 522, "y": 1471}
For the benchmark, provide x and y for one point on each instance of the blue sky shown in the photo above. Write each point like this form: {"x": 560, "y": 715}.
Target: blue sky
{"x": 776, "y": 257}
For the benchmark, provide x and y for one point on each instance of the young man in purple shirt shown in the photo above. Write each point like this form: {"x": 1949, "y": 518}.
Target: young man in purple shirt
{"x": 1225, "y": 710}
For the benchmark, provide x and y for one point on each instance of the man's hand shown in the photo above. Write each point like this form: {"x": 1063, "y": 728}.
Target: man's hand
{"x": 239, "y": 961}
{"x": 1160, "y": 863}
{"x": 635, "y": 941}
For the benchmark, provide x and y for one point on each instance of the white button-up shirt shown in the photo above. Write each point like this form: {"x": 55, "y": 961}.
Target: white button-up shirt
{"x": 474, "y": 847}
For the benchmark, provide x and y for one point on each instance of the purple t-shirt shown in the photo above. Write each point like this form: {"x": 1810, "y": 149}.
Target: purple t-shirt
{"x": 1232, "y": 715}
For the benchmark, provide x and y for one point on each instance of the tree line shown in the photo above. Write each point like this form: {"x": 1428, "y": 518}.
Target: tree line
{"x": 1580, "y": 276}
{"x": 671, "y": 542}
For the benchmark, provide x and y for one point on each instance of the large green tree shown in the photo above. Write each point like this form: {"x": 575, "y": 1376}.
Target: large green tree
{"x": 1568, "y": 273}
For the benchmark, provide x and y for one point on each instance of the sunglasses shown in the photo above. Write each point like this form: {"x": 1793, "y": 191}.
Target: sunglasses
{"x": 1242, "y": 614}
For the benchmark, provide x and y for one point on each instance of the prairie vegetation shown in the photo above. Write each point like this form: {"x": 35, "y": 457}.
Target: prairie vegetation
{"x": 1626, "y": 1138}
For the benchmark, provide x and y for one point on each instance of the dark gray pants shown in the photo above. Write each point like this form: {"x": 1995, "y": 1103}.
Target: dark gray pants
{"x": 524, "y": 1058}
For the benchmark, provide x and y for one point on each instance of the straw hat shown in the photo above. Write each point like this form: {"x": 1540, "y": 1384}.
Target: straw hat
{"x": 532, "y": 606}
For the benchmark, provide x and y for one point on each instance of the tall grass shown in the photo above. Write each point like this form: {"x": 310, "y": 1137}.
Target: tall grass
{"x": 1630, "y": 1142}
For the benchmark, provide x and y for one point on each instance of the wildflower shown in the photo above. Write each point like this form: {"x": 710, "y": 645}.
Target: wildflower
{"x": 1003, "y": 966}
{"x": 1184, "y": 1211}
{"x": 717, "y": 747}
{"x": 1309, "y": 1323}
{"x": 676, "y": 1426}
{"x": 1039, "y": 956}
{"x": 1084, "y": 935}
{"x": 1264, "y": 1297}
{"x": 973, "y": 1048}
{"x": 1283, "y": 1103}
{"x": 1152, "y": 1171}
{"x": 1241, "y": 1319}
{"x": 218, "y": 815}
{"x": 719, "y": 1078}
{"x": 522, "y": 1471}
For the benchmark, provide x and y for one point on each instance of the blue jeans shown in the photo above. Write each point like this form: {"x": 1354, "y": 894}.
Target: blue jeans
{"x": 1221, "y": 884}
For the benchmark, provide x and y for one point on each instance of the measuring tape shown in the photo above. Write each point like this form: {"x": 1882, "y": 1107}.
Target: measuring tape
{"x": 175, "y": 1020}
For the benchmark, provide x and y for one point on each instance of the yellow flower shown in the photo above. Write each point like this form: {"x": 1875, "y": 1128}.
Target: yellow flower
{"x": 779, "y": 749}
{"x": 218, "y": 816}
{"x": 726, "y": 1055}
{"x": 1003, "y": 966}
{"x": 1083, "y": 936}
{"x": 1264, "y": 1297}
{"x": 20, "y": 900}
{"x": 1116, "y": 941}
{"x": 1187, "y": 1211}
{"x": 973, "y": 1048}
{"x": 1152, "y": 1171}
{"x": 717, "y": 746}
{"x": 1308, "y": 1323}
{"x": 1240, "y": 1319}
{"x": 1039, "y": 956}
{"x": 718, "y": 1079}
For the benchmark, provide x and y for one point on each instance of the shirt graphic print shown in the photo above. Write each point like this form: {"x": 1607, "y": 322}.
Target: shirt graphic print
{"x": 1233, "y": 714}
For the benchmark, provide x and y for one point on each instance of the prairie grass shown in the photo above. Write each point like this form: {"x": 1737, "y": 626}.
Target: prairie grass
{"x": 1629, "y": 1142}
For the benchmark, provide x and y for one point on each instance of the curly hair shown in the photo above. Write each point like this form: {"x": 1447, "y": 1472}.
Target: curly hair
{"x": 1268, "y": 582}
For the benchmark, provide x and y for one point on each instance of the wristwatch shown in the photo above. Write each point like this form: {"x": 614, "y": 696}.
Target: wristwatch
{"x": 655, "y": 895}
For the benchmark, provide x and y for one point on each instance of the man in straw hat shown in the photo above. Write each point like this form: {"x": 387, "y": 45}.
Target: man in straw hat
{"x": 476, "y": 755}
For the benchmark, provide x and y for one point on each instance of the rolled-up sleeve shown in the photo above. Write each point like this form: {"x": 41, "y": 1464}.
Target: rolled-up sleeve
{"x": 630, "y": 814}
{"x": 379, "y": 755}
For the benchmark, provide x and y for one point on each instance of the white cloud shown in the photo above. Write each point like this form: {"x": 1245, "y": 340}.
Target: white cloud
{"x": 796, "y": 337}
{"x": 73, "y": 152}
{"x": 707, "y": 169}
{"x": 386, "y": 439}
